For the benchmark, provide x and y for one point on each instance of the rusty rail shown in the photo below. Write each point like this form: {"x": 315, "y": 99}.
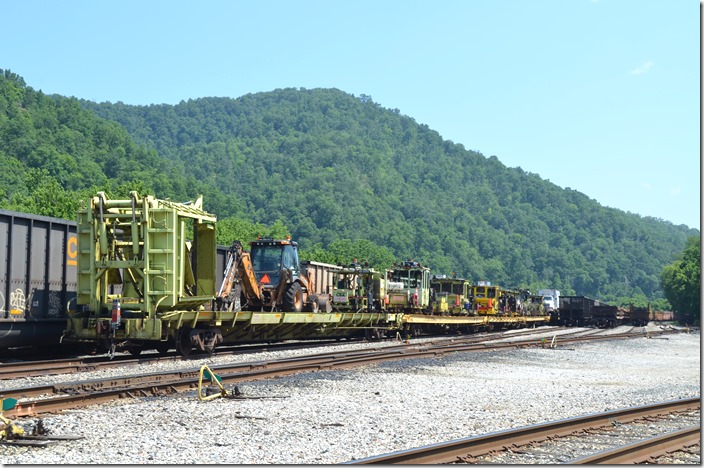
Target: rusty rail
{"x": 645, "y": 450}
{"x": 472, "y": 447}
{"x": 15, "y": 370}
{"x": 101, "y": 390}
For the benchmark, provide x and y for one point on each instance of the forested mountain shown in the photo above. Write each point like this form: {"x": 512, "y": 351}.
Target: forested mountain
{"x": 52, "y": 149}
{"x": 331, "y": 166}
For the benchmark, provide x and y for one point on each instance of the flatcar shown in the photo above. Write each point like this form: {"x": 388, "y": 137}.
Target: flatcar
{"x": 142, "y": 273}
{"x": 167, "y": 282}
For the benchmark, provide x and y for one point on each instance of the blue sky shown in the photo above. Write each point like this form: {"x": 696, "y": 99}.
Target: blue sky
{"x": 602, "y": 96}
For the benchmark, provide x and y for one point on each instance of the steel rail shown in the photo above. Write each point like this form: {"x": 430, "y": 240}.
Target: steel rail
{"x": 160, "y": 382}
{"x": 472, "y": 447}
{"x": 13, "y": 370}
{"x": 132, "y": 387}
{"x": 93, "y": 363}
{"x": 16, "y": 370}
{"x": 644, "y": 450}
{"x": 342, "y": 359}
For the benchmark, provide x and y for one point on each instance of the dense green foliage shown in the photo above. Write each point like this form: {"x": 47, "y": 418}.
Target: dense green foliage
{"x": 53, "y": 152}
{"x": 231, "y": 229}
{"x": 681, "y": 281}
{"x": 343, "y": 176}
{"x": 344, "y": 252}
{"x": 334, "y": 167}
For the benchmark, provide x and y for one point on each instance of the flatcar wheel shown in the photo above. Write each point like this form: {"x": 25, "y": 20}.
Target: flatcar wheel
{"x": 135, "y": 351}
{"x": 184, "y": 350}
{"x": 183, "y": 343}
{"x": 372, "y": 334}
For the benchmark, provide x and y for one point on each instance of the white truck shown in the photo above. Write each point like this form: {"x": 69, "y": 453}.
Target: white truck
{"x": 551, "y": 299}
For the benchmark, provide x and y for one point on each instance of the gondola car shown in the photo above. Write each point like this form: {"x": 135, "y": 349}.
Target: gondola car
{"x": 37, "y": 278}
{"x": 583, "y": 311}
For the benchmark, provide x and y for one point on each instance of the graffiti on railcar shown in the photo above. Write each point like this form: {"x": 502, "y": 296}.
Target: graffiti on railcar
{"x": 54, "y": 304}
{"x": 18, "y": 303}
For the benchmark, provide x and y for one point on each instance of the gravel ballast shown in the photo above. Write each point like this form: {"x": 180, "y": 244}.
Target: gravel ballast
{"x": 336, "y": 416}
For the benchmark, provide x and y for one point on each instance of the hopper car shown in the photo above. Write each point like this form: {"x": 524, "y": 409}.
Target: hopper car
{"x": 640, "y": 316}
{"x": 583, "y": 311}
{"x": 38, "y": 258}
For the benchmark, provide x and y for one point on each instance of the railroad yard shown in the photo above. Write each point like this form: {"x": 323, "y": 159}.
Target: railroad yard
{"x": 340, "y": 415}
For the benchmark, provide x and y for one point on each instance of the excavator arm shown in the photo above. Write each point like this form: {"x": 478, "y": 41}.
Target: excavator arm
{"x": 239, "y": 276}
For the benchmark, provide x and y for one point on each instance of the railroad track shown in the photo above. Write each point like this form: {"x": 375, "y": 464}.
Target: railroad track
{"x": 646, "y": 450}
{"x": 57, "y": 397}
{"x": 35, "y": 368}
{"x": 14, "y": 370}
{"x": 520, "y": 446}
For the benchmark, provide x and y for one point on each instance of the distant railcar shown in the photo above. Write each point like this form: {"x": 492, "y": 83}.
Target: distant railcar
{"x": 409, "y": 288}
{"x": 583, "y": 311}
{"x": 485, "y": 298}
{"x": 640, "y": 316}
{"x": 359, "y": 288}
{"x": 663, "y": 316}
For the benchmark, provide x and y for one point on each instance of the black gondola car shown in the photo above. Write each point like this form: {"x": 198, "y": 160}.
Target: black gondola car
{"x": 583, "y": 311}
{"x": 640, "y": 316}
{"x": 37, "y": 277}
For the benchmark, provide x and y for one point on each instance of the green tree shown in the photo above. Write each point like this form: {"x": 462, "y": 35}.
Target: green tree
{"x": 48, "y": 197}
{"x": 231, "y": 229}
{"x": 681, "y": 282}
{"x": 345, "y": 251}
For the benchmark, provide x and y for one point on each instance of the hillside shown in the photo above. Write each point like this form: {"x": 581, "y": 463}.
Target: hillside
{"x": 331, "y": 166}
{"x": 52, "y": 152}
